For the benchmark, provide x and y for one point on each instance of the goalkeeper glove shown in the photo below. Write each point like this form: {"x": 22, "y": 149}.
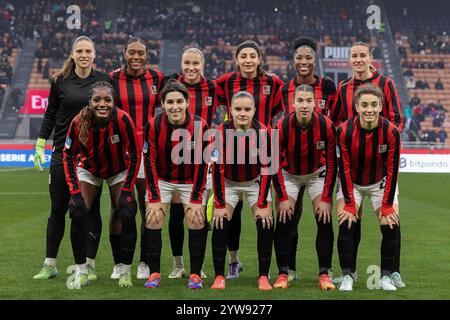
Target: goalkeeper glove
{"x": 39, "y": 158}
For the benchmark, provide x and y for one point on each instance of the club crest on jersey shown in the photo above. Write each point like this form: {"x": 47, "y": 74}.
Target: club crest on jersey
{"x": 68, "y": 143}
{"x": 208, "y": 101}
{"x": 154, "y": 90}
{"x": 114, "y": 138}
{"x": 321, "y": 103}
{"x": 382, "y": 148}
{"x": 266, "y": 89}
{"x": 320, "y": 145}
{"x": 215, "y": 155}
{"x": 145, "y": 147}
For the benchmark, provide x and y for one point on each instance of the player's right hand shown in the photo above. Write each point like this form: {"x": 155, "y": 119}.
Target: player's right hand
{"x": 218, "y": 216}
{"x": 39, "y": 158}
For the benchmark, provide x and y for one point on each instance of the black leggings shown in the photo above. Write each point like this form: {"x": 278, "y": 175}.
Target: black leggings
{"x": 60, "y": 197}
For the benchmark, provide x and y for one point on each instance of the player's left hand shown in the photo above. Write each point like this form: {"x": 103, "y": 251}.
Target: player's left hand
{"x": 391, "y": 219}
{"x": 196, "y": 210}
{"x": 323, "y": 210}
{"x": 346, "y": 216}
{"x": 152, "y": 210}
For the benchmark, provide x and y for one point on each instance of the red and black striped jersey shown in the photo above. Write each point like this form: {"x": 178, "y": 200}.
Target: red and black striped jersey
{"x": 138, "y": 96}
{"x": 368, "y": 156}
{"x": 263, "y": 89}
{"x": 111, "y": 148}
{"x": 324, "y": 91}
{"x": 174, "y": 153}
{"x": 344, "y": 104}
{"x": 303, "y": 150}
{"x": 204, "y": 97}
{"x": 242, "y": 156}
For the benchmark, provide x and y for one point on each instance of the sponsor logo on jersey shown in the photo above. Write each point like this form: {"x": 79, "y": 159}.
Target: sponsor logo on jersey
{"x": 321, "y": 103}
{"x": 114, "y": 138}
{"x": 382, "y": 148}
{"x": 154, "y": 89}
{"x": 208, "y": 101}
{"x": 320, "y": 145}
{"x": 68, "y": 143}
{"x": 266, "y": 89}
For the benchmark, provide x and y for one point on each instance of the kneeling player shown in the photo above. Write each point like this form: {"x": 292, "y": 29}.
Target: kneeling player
{"x": 174, "y": 164}
{"x": 370, "y": 152}
{"x": 307, "y": 147}
{"x": 240, "y": 170}
{"x": 101, "y": 145}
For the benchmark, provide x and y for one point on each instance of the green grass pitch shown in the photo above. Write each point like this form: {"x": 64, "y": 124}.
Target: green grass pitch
{"x": 425, "y": 265}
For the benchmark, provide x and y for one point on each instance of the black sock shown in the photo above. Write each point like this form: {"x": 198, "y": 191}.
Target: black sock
{"x": 356, "y": 240}
{"x": 114, "y": 239}
{"x": 55, "y": 233}
{"x": 219, "y": 248}
{"x": 265, "y": 242}
{"x": 128, "y": 237}
{"x": 197, "y": 246}
{"x": 176, "y": 228}
{"x": 293, "y": 251}
{"x": 153, "y": 245}
{"x": 324, "y": 245}
{"x": 78, "y": 235}
{"x": 234, "y": 229}
{"x": 398, "y": 250}
{"x": 94, "y": 229}
{"x": 345, "y": 247}
{"x": 388, "y": 249}
{"x": 298, "y": 210}
{"x": 143, "y": 250}
{"x": 282, "y": 245}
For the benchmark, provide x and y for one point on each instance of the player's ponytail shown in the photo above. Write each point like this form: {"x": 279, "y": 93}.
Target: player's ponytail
{"x": 69, "y": 64}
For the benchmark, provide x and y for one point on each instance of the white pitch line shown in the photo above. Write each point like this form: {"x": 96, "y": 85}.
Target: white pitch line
{"x": 15, "y": 169}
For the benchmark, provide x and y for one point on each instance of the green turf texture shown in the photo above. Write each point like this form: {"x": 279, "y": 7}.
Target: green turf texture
{"x": 425, "y": 265}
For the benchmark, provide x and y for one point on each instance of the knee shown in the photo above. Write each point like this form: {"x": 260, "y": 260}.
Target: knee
{"x": 196, "y": 225}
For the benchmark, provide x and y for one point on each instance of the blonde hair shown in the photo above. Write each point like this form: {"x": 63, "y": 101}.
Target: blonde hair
{"x": 69, "y": 64}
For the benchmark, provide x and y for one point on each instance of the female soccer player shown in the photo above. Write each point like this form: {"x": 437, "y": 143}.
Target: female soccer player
{"x": 324, "y": 92}
{"x": 69, "y": 93}
{"x": 204, "y": 97}
{"x": 174, "y": 163}
{"x": 344, "y": 108}
{"x": 101, "y": 144}
{"x": 369, "y": 146}
{"x": 252, "y": 78}
{"x": 137, "y": 89}
{"x": 307, "y": 147}
{"x": 241, "y": 169}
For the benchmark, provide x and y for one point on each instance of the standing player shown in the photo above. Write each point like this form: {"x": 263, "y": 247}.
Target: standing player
{"x": 101, "y": 145}
{"x": 241, "y": 170}
{"x": 307, "y": 147}
{"x": 344, "y": 108}
{"x": 324, "y": 92}
{"x": 69, "y": 93}
{"x": 173, "y": 151}
{"x": 263, "y": 87}
{"x": 137, "y": 90}
{"x": 204, "y": 97}
{"x": 370, "y": 153}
